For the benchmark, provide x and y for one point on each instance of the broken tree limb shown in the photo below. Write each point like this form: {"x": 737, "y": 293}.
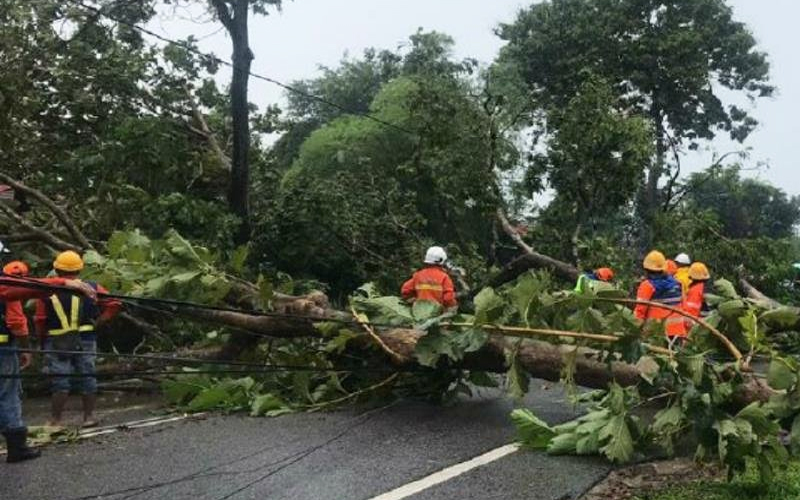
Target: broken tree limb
{"x": 529, "y": 259}
{"x": 42, "y": 235}
{"x": 754, "y": 293}
{"x": 78, "y": 236}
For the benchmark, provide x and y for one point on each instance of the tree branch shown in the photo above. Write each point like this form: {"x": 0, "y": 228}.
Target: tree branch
{"x": 74, "y": 231}
{"x": 223, "y": 13}
{"x": 40, "y": 234}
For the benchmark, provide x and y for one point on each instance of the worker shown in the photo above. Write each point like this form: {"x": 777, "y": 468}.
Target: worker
{"x": 16, "y": 268}
{"x": 660, "y": 287}
{"x": 67, "y": 322}
{"x": 13, "y": 337}
{"x": 683, "y": 261}
{"x": 590, "y": 281}
{"x": 432, "y": 282}
{"x": 672, "y": 267}
{"x": 694, "y": 303}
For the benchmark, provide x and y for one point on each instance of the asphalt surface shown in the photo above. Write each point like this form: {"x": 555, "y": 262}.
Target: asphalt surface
{"x": 352, "y": 454}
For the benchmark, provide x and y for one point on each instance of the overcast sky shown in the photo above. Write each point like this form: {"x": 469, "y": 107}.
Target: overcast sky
{"x": 292, "y": 44}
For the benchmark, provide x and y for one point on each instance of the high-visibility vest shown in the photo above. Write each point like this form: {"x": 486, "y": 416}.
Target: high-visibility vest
{"x": 70, "y": 313}
{"x": 672, "y": 296}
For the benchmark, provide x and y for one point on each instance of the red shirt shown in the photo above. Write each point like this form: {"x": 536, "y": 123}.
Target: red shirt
{"x": 13, "y": 297}
{"x": 431, "y": 283}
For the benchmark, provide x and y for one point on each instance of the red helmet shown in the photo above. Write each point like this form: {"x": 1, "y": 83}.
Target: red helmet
{"x": 16, "y": 268}
{"x": 604, "y": 274}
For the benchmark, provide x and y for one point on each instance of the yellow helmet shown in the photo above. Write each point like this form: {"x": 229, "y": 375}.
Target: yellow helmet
{"x": 68, "y": 261}
{"x": 699, "y": 272}
{"x": 655, "y": 261}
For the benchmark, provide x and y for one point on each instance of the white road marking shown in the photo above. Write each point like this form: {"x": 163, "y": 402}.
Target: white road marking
{"x": 447, "y": 474}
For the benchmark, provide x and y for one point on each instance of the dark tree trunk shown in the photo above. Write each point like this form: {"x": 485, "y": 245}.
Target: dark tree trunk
{"x": 235, "y": 21}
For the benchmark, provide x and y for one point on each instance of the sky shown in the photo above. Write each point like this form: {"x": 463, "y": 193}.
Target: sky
{"x": 292, "y": 44}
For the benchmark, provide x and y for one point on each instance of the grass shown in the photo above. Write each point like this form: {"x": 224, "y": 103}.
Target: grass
{"x": 785, "y": 486}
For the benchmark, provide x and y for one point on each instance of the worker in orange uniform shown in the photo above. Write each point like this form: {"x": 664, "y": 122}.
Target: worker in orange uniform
{"x": 66, "y": 322}
{"x": 694, "y": 303}
{"x": 684, "y": 262}
{"x": 13, "y": 336}
{"x": 672, "y": 267}
{"x": 16, "y": 268}
{"x": 432, "y": 282}
{"x": 588, "y": 282}
{"x": 660, "y": 287}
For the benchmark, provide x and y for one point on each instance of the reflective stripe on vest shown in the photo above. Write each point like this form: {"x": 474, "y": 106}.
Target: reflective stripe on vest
{"x": 428, "y": 287}
{"x": 68, "y": 325}
{"x": 4, "y": 339}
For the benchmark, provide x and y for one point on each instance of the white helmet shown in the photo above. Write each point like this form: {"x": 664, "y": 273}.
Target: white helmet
{"x": 435, "y": 255}
{"x": 683, "y": 259}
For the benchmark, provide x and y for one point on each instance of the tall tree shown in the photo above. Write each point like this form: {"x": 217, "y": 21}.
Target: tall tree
{"x": 233, "y": 14}
{"x": 668, "y": 60}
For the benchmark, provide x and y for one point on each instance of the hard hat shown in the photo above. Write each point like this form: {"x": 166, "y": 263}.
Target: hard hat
{"x": 672, "y": 267}
{"x": 16, "y": 268}
{"x": 68, "y": 261}
{"x": 435, "y": 255}
{"x": 655, "y": 261}
{"x": 605, "y": 274}
{"x": 683, "y": 259}
{"x": 699, "y": 272}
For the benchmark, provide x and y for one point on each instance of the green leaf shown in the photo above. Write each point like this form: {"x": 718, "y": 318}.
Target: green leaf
{"x": 782, "y": 317}
{"x": 481, "y": 379}
{"x": 517, "y": 379}
{"x": 432, "y": 346}
{"x": 618, "y": 439}
{"x": 780, "y": 376}
{"x": 209, "y": 399}
{"x": 489, "y": 306}
{"x": 563, "y": 444}
{"x": 726, "y": 289}
{"x": 532, "y": 432}
{"x": 668, "y": 420}
{"x": 266, "y": 292}
{"x": 239, "y": 259}
{"x": 423, "y": 310}
{"x": 265, "y": 403}
{"x": 180, "y": 391}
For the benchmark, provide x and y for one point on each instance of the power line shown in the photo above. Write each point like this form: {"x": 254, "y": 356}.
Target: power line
{"x": 230, "y": 64}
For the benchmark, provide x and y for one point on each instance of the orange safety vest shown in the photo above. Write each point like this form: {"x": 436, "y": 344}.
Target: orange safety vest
{"x": 666, "y": 291}
{"x": 693, "y": 304}
{"x": 431, "y": 283}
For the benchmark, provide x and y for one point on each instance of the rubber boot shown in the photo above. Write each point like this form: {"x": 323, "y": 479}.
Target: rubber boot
{"x": 17, "y": 443}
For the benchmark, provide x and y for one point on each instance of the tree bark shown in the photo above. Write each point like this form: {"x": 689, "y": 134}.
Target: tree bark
{"x": 235, "y": 22}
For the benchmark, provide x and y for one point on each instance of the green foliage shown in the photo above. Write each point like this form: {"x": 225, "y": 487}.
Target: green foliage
{"x": 748, "y": 486}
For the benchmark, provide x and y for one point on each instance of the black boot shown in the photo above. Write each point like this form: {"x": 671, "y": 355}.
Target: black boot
{"x": 18, "y": 450}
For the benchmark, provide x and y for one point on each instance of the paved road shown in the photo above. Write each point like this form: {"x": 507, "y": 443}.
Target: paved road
{"x": 353, "y": 454}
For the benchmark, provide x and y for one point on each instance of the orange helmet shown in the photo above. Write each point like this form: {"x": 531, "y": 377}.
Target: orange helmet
{"x": 672, "y": 267}
{"x": 605, "y": 274}
{"x": 16, "y": 268}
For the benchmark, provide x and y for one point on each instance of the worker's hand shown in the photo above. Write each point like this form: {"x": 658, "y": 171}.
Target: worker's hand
{"x": 82, "y": 288}
{"x": 25, "y": 360}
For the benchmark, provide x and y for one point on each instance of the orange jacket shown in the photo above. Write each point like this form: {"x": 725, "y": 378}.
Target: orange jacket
{"x": 674, "y": 325}
{"x": 15, "y": 318}
{"x": 431, "y": 283}
{"x": 693, "y": 304}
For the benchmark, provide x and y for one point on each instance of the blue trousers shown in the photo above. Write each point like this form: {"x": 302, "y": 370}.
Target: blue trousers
{"x": 10, "y": 391}
{"x": 83, "y": 364}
